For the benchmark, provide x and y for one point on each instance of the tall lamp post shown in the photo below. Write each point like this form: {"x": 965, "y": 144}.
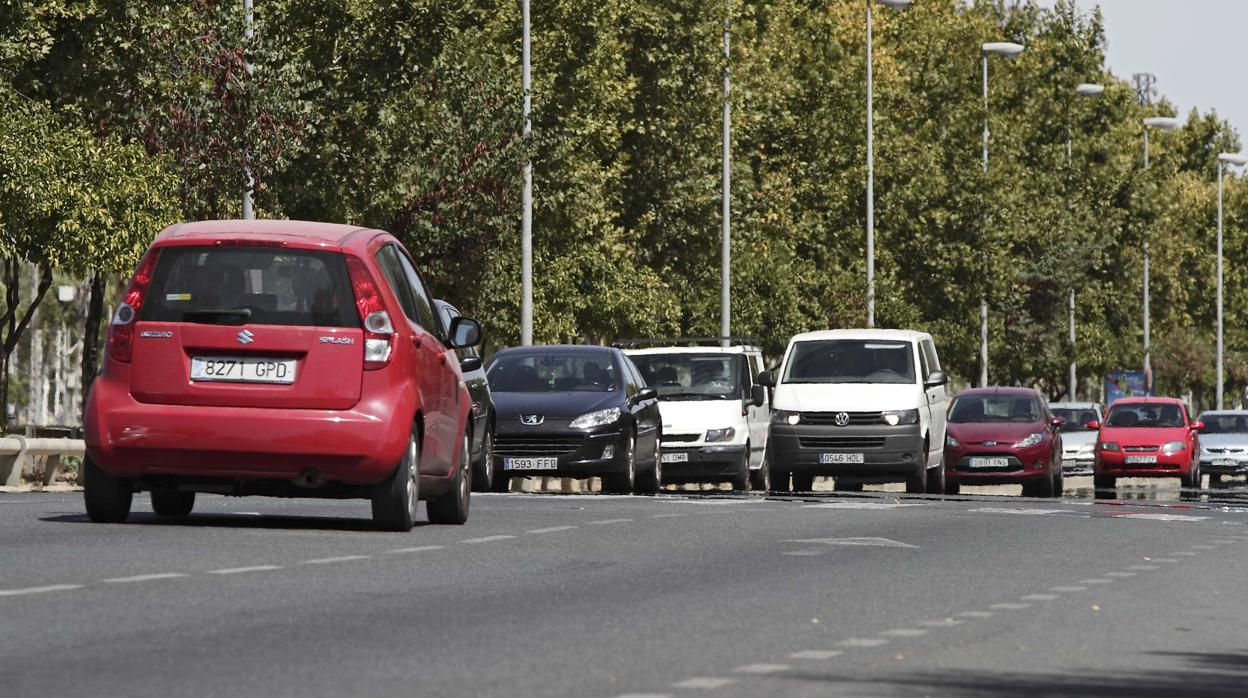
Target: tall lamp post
{"x": 725, "y": 272}
{"x": 1235, "y": 160}
{"x": 896, "y": 5}
{"x": 1161, "y": 123}
{"x": 248, "y": 32}
{"x": 526, "y": 193}
{"x": 1009, "y": 50}
{"x": 1088, "y": 90}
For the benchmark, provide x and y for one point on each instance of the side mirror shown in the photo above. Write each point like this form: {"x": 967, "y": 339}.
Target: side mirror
{"x": 646, "y": 393}
{"x": 465, "y": 332}
{"x": 1058, "y": 423}
{"x": 1198, "y": 425}
{"x": 936, "y": 378}
{"x": 758, "y": 395}
{"x": 470, "y": 364}
{"x": 765, "y": 378}
{"x": 1094, "y": 425}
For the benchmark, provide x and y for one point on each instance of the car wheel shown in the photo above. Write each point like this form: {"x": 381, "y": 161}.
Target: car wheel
{"x": 842, "y": 486}
{"x": 803, "y": 482}
{"x": 916, "y": 483}
{"x": 1106, "y": 487}
{"x": 395, "y": 499}
{"x": 486, "y": 470}
{"x": 172, "y": 502}
{"x": 107, "y": 498}
{"x": 1192, "y": 481}
{"x": 451, "y": 507}
{"x": 760, "y": 479}
{"x": 622, "y": 483}
{"x": 1041, "y": 487}
{"x": 1215, "y": 480}
{"x": 652, "y": 481}
{"x": 1059, "y": 482}
{"x": 741, "y": 480}
{"x": 780, "y": 480}
{"x": 952, "y": 487}
{"x": 936, "y": 478}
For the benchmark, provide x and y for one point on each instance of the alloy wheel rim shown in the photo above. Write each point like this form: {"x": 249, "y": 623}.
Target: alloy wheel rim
{"x": 464, "y": 473}
{"x": 413, "y": 472}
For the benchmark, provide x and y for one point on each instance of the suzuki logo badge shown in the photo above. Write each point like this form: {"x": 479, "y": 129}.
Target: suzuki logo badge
{"x": 842, "y": 419}
{"x": 531, "y": 420}
{"x": 246, "y": 337}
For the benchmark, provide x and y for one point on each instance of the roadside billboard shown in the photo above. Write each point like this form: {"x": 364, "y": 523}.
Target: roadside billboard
{"x": 1124, "y": 384}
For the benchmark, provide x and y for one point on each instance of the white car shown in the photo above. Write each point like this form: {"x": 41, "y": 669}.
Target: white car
{"x": 1078, "y": 441}
{"x": 1224, "y": 444}
{"x": 715, "y": 413}
{"x": 862, "y": 406}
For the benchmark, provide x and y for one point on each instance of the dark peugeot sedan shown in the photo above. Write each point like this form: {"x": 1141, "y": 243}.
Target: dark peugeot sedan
{"x": 575, "y": 411}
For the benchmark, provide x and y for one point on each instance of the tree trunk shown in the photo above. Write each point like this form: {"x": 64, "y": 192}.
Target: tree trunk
{"x": 91, "y": 337}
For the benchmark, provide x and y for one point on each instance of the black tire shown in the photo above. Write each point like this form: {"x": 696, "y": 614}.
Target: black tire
{"x": 395, "y": 499}
{"x": 841, "y": 486}
{"x": 741, "y": 480}
{"x": 780, "y": 480}
{"x": 1059, "y": 482}
{"x": 760, "y": 479}
{"x": 486, "y": 470}
{"x": 623, "y": 483}
{"x": 172, "y": 503}
{"x": 1192, "y": 481}
{"x": 803, "y": 482}
{"x": 1215, "y": 480}
{"x": 107, "y": 498}
{"x": 1042, "y": 487}
{"x": 1106, "y": 487}
{"x": 651, "y": 481}
{"x": 936, "y": 478}
{"x": 916, "y": 482}
{"x": 451, "y": 507}
{"x": 952, "y": 488}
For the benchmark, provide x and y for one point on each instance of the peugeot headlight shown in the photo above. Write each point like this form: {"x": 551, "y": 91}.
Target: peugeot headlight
{"x": 951, "y": 442}
{"x": 1031, "y": 440}
{"x": 892, "y": 419}
{"x": 1172, "y": 447}
{"x": 596, "y": 419}
{"x": 717, "y": 435}
{"x": 786, "y": 417}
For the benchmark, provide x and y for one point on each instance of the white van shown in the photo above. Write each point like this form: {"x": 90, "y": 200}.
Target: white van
{"x": 715, "y": 413}
{"x": 862, "y": 406}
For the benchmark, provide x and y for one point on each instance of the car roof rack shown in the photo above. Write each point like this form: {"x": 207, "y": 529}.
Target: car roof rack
{"x": 694, "y": 341}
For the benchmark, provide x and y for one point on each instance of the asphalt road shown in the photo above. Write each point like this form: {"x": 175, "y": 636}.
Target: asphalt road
{"x": 590, "y": 595}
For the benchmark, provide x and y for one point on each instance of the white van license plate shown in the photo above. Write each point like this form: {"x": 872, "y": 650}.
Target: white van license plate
{"x": 242, "y": 370}
{"x": 841, "y": 458}
{"x": 1141, "y": 459}
{"x": 982, "y": 462}
{"x": 530, "y": 463}
{"x": 675, "y": 457}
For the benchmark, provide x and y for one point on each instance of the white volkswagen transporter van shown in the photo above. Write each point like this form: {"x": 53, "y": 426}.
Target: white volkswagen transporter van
{"x": 861, "y": 406}
{"x": 715, "y": 413}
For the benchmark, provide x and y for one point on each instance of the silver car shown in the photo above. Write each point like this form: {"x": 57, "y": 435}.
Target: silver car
{"x": 1078, "y": 441}
{"x": 1224, "y": 444}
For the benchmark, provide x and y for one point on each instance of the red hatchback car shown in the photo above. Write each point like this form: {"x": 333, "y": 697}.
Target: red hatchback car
{"x": 1146, "y": 437}
{"x": 280, "y": 358}
{"x": 1003, "y": 436}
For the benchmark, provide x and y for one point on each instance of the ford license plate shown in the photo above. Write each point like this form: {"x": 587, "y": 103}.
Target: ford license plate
{"x": 530, "y": 463}
{"x": 989, "y": 462}
{"x": 233, "y": 369}
{"x": 841, "y": 458}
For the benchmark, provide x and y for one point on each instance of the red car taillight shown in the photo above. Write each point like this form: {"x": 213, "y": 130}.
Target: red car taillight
{"x": 378, "y": 330}
{"x": 121, "y": 329}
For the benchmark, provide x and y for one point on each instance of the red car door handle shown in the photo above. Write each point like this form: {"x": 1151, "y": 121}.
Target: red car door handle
{"x": 417, "y": 340}
{"x": 442, "y": 359}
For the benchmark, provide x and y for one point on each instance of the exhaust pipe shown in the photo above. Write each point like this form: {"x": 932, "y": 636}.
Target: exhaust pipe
{"x": 309, "y": 478}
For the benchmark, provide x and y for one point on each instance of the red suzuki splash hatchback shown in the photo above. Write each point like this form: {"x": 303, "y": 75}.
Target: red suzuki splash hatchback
{"x": 280, "y": 358}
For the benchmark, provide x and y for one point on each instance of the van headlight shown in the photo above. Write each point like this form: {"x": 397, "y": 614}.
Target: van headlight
{"x": 718, "y": 435}
{"x": 596, "y": 419}
{"x": 896, "y": 417}
{"x": 786, "y": 417}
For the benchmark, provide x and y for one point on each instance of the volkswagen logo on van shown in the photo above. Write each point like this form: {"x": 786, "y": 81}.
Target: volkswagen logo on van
{"x": 842, "y": 419}
{"x": 531, "y": 420}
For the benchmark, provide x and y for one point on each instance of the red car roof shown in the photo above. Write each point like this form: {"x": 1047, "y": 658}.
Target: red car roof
{"x": 1148, "y": 401}
{"x": 301, "y": 231}
{"x": 999, "y": 390}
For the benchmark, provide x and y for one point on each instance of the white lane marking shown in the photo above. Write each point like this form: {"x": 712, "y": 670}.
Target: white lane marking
{"x": 868, "y": 542}
{"x": 803, "y": 553}
{"x": 977, "y": 614}
{"x": 667, "y": 516}
{"x": 1184, "y": 553}
{"x": 905, "y": 632}
{"x": 607, "y": 522}
{"x": 1096, "y": 580}
{"x": 39, "y": 590}
{"x": 1168, "y": 560}
{"x": 1222, "y": 541}
{"x": 241, "y": 570}
{"x": 417, "y": 549}
{"x": 761, "y": 668}
{"x": 1120, "y": 575}
{"x": 1202, "y": 547}
{"x": 1022, "y": 512}
{"x": 551, "y": 529}
{"x": 1010, "y": 606}
{"x": 1069, "y": 589}
{"x": 1144, "y": 568}
{"x": 1039, "y": 597}
{"x": 1162, "y": 517}
{"x": 709, "y": 683}
{"x": 644, "y": 695}
{"x": 331, "y": 560}
{"x": 144, "y": 578}
{"x": 942, "y": 623}
{"x": 245, "y": 513}
{"x": 863, "y": 642}
{"x": 816, "y": 654}
{"x": 860, "y": 505}
{"x": 485, "y": 539}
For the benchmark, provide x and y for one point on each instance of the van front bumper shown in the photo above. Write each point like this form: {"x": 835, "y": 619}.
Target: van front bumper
{"x": 710, "y": 463}
{"x": 885, "y": 451}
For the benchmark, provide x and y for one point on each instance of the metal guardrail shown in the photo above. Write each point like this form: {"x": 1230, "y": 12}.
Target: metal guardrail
{"x": 19, "y": 454}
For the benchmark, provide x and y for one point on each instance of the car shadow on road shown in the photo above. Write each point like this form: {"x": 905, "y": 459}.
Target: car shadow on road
{"x": 240, "y": 521}
{"x": 1213, "y": 674}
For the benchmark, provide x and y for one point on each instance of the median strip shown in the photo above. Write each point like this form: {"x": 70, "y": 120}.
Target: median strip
{"x": 242, "y": 570}
{"x": 144, "y": 578}
{"x": 39, "y": 590}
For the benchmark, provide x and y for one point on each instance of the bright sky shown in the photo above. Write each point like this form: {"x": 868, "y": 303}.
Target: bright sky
{"x": 1194, "y": 47}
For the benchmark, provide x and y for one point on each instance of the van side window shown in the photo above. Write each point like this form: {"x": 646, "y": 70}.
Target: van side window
{"x": 929, "y": 354}
{"x": 924, "y": 369}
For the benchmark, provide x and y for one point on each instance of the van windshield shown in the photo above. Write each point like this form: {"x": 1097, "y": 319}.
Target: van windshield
{"x": 851, "y": 361}
{"x": 688, "y": 376}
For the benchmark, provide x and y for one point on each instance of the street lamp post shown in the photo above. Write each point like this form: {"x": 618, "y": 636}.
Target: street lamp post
{"x": 1089, "y": 90}
{"x": 526, "y": 193}
{"x": 1161, "y": 123}
{"x": 896, "y": 5}
{"x": 248, "y": 32}
{"x": 725, "y": 273}
{"x": 1009, "y": 50}
{"x": 1236, "y": 160}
